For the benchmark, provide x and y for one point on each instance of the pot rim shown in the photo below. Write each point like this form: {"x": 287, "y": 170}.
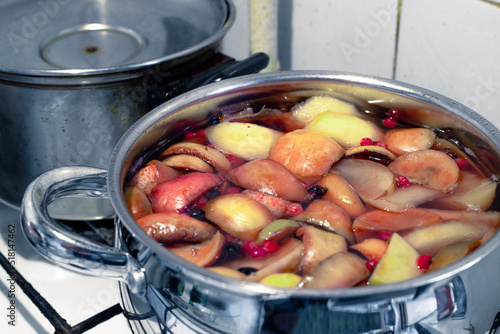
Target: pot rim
{"x": 120, "y": 72}
{"x": 115, "y": 182}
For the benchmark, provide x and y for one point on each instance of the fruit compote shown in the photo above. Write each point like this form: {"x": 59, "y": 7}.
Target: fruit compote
{"x": 318, "y": 195}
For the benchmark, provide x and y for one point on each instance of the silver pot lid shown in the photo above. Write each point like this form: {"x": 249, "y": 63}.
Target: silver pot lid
{"x": 89, "y": 37}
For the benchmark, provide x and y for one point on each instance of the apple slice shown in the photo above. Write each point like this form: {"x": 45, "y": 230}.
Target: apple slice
{"x": 278, "y": 230}
{"x": 430, "y": 239}
{"x": 203, "y": 254}
{"x": 176, "y": 194}
{"x": 244, "y": 140}
{"x": 238, "y": 215}
{"x": 398, "y": 264}
{"x": 308, "y": 155}
{"x": 369, "y": 179}
{"x": 137, "y": 202}
{"x": 151, "y": 175}
{"x": 402, "y": 199}
{"x": 347, "y": 130}
{"x": 488, "y": 220}
{"x": 339, "y": 271}
{"x": 330, "y": 216}
{"x": 188, "y": 163}
{"x": 313, "y": 106}
{"x": 434, "y": 169}
{"x": 279, "y": 207}
{"x": 175, "y": 227}
{"x": 208, "y": 154}
{"x": 269, "y": 177}
{"x": 341, "y": 193}
{"x": 318, "y": 245}
{"x": 372, "y": 248}
{"x": 282, "y": 280}
{"x": 452, "y": 253}
{"x": 374, "y": 152}
{"x": 369, "y": 224}
{"x": 474, "y": 192}
{"x": 286, "y": 259}
{"x": 400, "y": 141}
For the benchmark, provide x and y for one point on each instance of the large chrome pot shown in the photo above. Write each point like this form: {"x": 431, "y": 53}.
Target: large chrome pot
{"x": 74, "y": 75}
{"x": 461, "y": 298}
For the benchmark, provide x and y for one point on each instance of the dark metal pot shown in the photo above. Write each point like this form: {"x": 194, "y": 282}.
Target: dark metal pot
{"x": 461, "y": 298}
{"x": 75, "y": 75}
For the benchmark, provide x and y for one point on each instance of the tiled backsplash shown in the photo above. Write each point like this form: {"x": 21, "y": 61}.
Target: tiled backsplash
{"x": 448, "y": 46}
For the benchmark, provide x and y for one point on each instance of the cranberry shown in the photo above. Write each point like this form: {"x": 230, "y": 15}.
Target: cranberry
{"x": 189, "y": 135}
{"x": 384, "y": 235}
{"x": 461, "y": 163}
{"x": 258, "y": 252}
{"x": 270, "y": 246}
{"x": 396, "y": 114}
{"x": 390, "y": 122}
{"x": 424, "y": 262}
{"x": 366, "y": 141}
{"x": 402, "y": 181}
{"x": 200, "y": 133}
{"x": 379, "y": 143}
{"x": 371, "y": 264}
{"x": 294, "y": 209}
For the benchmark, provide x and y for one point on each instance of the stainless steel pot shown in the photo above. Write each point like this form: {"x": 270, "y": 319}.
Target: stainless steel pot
{"x": 74, "y": 75}
{"x": 461, "y": 298}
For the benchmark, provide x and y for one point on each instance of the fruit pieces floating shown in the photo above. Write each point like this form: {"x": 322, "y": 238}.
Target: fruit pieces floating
{"x": 315, "y": 196}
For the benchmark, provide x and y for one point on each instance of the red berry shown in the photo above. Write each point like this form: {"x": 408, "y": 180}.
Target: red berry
{"x": 258, "y": 252}
{"x": 396, "y": 114}
{"x": 294, "y": 209}
{"x": 379, "y": 143}
{"x": 248, "y": 246}
{"x": 371, "y": 264}
{"x": 200, "y": 133}
{"x": 402, "y": 181}
{"x": 384, "y": 235}
{"x": 461, "y": 163}
{"x": 366, "y": 141}
{"x": 389, "y": 122}
{"x": 270, "y": 246}
{"x": 424, "y": 262}
{"x": 189, "y": 135}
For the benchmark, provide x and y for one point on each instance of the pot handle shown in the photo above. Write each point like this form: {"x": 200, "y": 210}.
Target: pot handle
{"x": 67, "y": 249}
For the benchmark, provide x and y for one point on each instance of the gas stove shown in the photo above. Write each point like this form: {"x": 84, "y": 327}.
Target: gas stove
{"x": 76, "y": 298}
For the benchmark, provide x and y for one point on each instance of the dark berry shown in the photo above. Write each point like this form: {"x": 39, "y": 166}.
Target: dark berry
{"x": 212, "y": 193}
{"x": 247, "y": 270}
{"x": 316, "y": 191}
{"x": 232, "y": 251}
{"x": 196, "y": 213}
{"x": 212, "y": 119}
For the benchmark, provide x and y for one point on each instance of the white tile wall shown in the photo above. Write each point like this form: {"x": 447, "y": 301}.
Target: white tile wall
{"x": 448, "y": 46}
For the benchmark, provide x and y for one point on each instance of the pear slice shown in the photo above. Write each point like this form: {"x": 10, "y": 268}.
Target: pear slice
{"x": 431, "y": 239}
{"x": 397, "y": 264}
{"x": 210, "y": 155}
{"x": 269, "y": 177}
{"x": 341, "y": 193}
{"x": 308, "y": 155}
{"x": 369, "y": 179}
{"x": 410, "y": 197}
{"x": 400, "y": 141}
{"x": 452, "y": 253}
{"x": 238, "y": 215}
{"x": 151, "y": 175}
{"x": 341, "y": 270}
{"x": 318, "y": 245}
{"x": 137, "y": 202}
{"x": 188, "y": 163}
{"x": 347, "y": 130}
{"x": 244, "y": 140}
{"x": 313, "y": 106}
{"x": 431, "y": 168}
{"x": 203, "y": 254}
